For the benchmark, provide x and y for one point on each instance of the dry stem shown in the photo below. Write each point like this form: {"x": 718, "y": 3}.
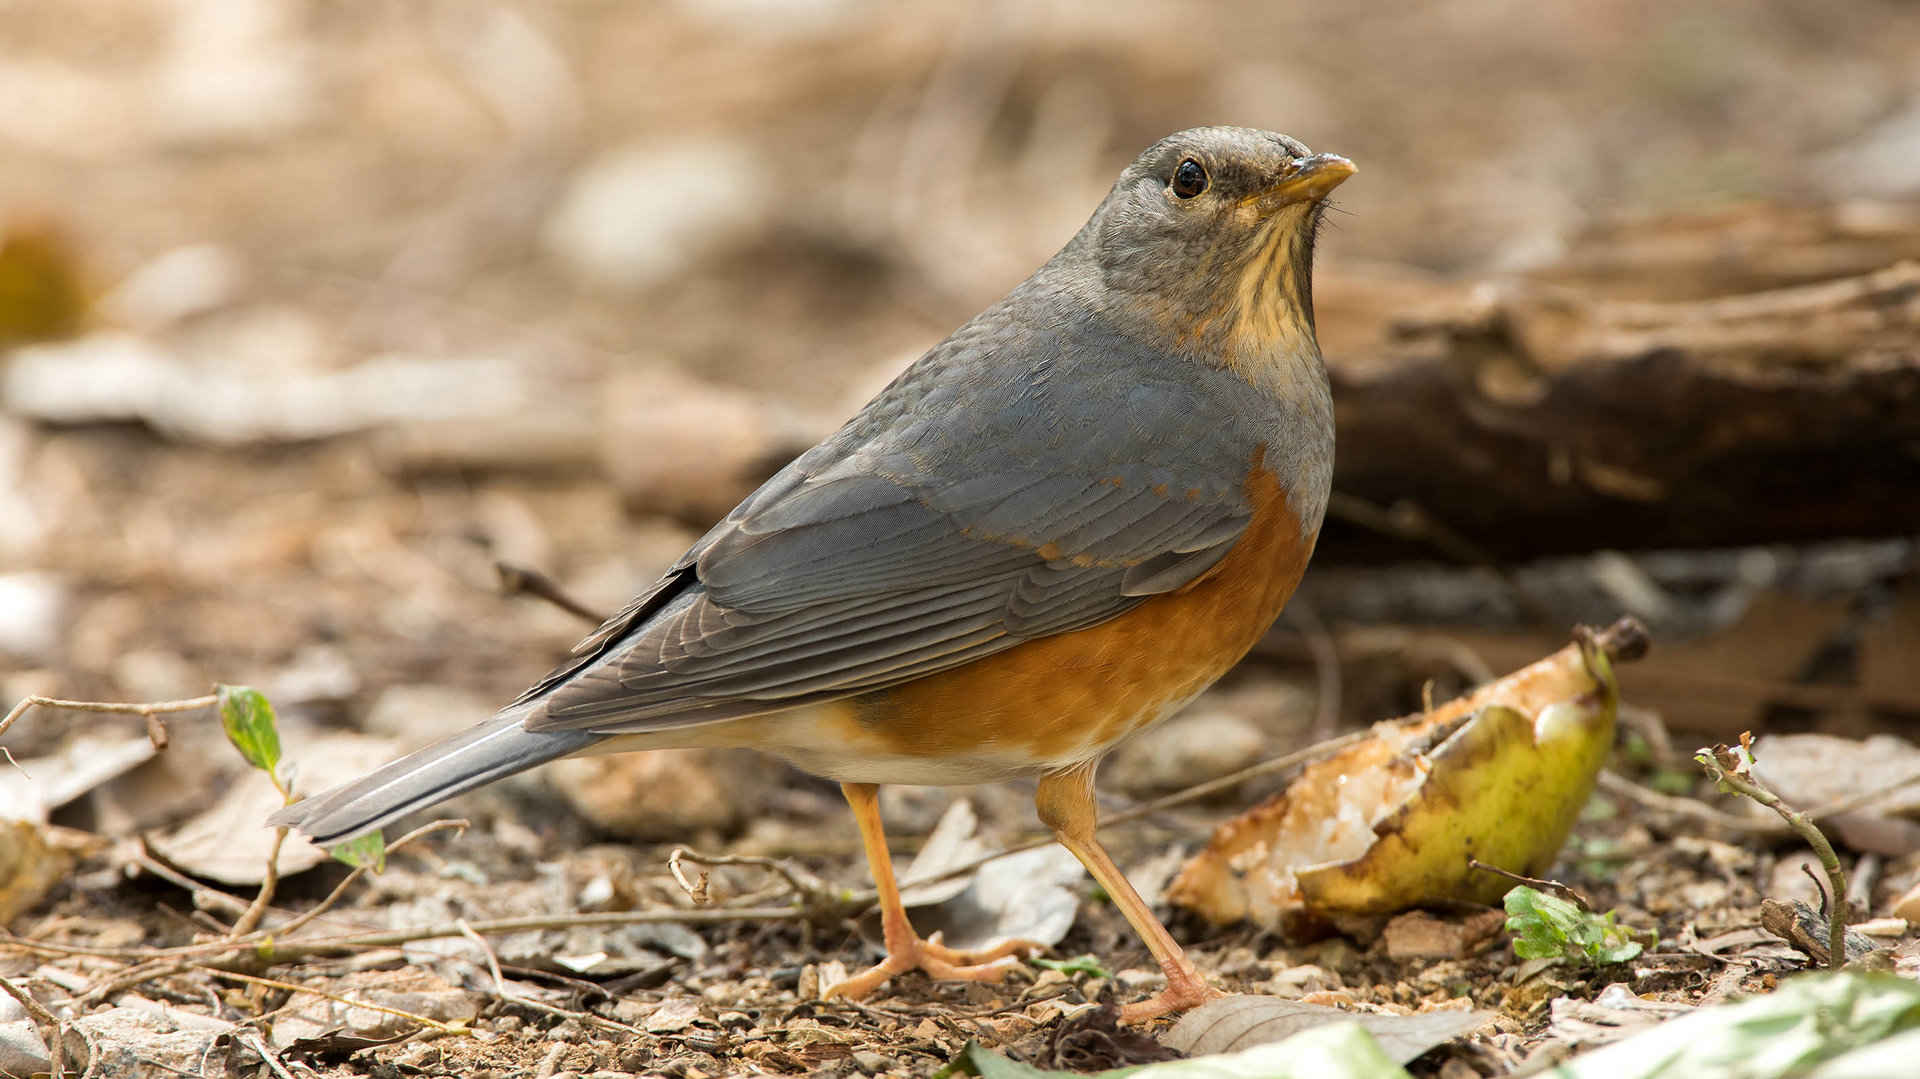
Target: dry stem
{"x": 1732, "y": 769}
{"x": 518, "y": 580}
{"x": 269, "y": 881}
{"x": 816, "y": 894}
{"x": 292, "y": 987}
{"x": 1564, "y": 891}
{"x": 56, "y": 1030}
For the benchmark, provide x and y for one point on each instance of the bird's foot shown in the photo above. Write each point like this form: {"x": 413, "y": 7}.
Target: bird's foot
{"x": 1184, "y": 990}
{"x": 939, "y": 961}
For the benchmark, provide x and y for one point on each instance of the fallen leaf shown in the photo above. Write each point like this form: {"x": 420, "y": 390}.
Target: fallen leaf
{"x": 952, "y": 844}
{"x": 37, "y": 786}
{"x": 1616, "y": 1013}
{"x": 1242, "y": 1021}
{"x": 33, "y": 858}
{"x": 1908, "y": 905}
{"x": 229, "y": 841}
{"x": 674, "y": 1015}
{"x": 1811, "y": 770}
{"x": 1024, "y": 896}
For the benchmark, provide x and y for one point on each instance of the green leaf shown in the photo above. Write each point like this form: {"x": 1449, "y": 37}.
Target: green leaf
{"x": 250, "y": 726}
{"x": 1549, "y": 927}
{"x": 1084, "y": 964}
{"x": 368, "y": 850}
{"x": 1333, "y": 1051}
{"x": 1815, "y": 1026}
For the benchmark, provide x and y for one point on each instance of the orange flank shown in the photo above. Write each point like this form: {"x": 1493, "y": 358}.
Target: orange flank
{"x": 1060, "y": 700}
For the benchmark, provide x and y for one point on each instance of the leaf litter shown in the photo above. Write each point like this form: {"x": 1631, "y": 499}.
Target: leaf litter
{"x": 657, "y": 990}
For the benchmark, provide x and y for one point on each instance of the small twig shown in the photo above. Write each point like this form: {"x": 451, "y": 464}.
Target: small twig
{"x": 516, "y": 580}
{"x": 1565, "y": 892}
{"x": 501, "y": 990}
{"x": 455, "y": 823}
{"x": 166, "y": 1067}
{"x": 696, "y": 890}
{"x": 1820, "y": 889}
{"x": 153, "y": 963}
{"x": 120, "y": 708}
{"x": 283, "y": 951}
{"x": 291, "y": 987}
{"x": 56, "y": 1030}
{"x": 203, "y": 894}
{"x": 813, "y": 891}
{"x": 132, "y": 976}
{"x": 269, "y": 882}
{"x": 252, "y": 1040}
{"x": 1732, "y": 769}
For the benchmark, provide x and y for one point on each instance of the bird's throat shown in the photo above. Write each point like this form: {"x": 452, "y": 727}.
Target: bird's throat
{"x": 1265, "y": 318}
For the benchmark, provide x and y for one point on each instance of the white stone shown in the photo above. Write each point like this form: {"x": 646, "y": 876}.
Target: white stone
{"x": 32, "y": 609}
{"x": 177, "y": 284}
{"x": 641, "y": 214}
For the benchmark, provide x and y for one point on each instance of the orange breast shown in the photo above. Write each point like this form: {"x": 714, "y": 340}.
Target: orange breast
{"x": 1064, "y": 699}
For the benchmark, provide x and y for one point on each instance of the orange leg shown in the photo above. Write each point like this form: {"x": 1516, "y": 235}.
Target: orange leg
{"x": 1065, "y": 803}
{"x": 907, "y": 950}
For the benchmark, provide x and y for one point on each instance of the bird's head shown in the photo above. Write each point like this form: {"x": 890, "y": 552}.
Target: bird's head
{"x": 1207, "y": 242}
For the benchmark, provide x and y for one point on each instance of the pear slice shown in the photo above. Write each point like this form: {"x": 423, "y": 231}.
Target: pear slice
{"x": 1390, "y": 823}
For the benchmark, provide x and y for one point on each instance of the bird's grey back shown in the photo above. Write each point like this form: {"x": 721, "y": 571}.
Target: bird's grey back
{"x": 1037, "y": 472}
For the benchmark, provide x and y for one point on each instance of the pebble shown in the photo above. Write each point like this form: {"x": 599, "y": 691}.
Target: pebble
{"x": 176, "y": 285}
{"x": 32, "y": 614}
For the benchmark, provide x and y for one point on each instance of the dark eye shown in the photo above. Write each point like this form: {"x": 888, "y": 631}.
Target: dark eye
{"x": 1189, "y": 179}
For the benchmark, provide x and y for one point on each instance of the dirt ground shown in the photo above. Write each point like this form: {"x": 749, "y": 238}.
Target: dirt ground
{"x": 366, "y": 299}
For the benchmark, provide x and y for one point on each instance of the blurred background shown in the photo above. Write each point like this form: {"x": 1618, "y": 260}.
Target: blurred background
{"x": 310, "y": 312}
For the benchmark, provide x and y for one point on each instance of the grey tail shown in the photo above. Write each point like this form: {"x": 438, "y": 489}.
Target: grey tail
{"x": 492, "y": 750}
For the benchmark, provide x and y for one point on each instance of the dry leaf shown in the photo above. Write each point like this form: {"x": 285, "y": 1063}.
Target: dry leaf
{"x": 1240, "y": 1022}
{"x": 1026, "y": 896}
{"x": 39, "y": 785}
{"x": 229, "y": 841}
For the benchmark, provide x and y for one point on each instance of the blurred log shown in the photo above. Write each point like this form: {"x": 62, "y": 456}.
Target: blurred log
{"x": 1750, "y": 247}
{"x": 1531, "y": 418}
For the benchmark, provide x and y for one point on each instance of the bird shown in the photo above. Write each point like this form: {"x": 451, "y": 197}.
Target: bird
{"x": 1051, "y": 531}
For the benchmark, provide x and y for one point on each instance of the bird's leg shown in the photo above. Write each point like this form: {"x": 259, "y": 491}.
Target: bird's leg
{"x": 1065, "y": 802}
{"x": 907, "y": 950}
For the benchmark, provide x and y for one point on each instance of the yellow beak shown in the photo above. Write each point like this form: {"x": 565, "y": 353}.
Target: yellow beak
{"x": 1306, "y": 180}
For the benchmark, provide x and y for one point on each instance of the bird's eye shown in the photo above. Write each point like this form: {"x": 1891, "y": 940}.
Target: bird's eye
{"x": 1189, "y": 179}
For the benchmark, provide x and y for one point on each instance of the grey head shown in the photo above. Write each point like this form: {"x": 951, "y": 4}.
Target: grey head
{"x": 1205, "y": 245}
